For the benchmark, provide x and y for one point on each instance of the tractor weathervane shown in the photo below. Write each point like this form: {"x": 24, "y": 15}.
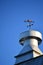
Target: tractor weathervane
{"x": 30, "y": 23}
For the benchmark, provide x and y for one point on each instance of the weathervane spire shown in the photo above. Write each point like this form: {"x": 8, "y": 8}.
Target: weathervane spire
{"x": 30, "y": 23}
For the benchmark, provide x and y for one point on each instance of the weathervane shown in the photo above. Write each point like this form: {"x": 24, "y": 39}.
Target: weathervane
{"x": 30, "y": 23}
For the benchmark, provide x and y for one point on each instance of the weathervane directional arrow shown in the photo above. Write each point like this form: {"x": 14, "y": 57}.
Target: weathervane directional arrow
{"x": 30, "y": 23}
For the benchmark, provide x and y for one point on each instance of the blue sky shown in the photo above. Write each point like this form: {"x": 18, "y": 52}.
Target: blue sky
{"x": 12, "y": 16}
